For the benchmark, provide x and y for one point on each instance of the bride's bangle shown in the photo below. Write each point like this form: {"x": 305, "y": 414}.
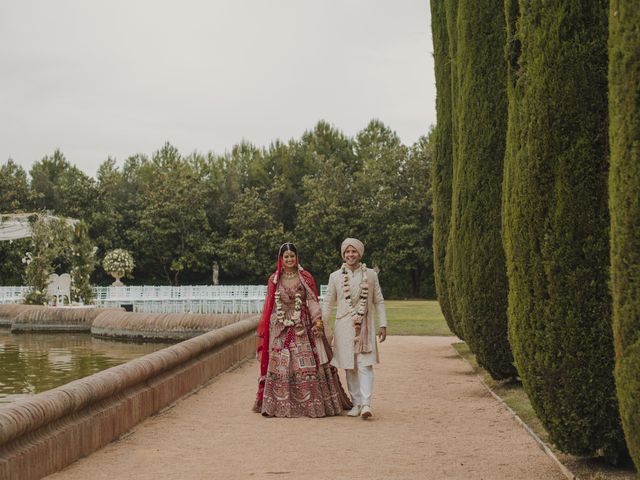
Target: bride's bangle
{"x": 318, "y": 324}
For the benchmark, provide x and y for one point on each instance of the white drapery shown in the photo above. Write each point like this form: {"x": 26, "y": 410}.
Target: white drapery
{"x": 16, "y": 226}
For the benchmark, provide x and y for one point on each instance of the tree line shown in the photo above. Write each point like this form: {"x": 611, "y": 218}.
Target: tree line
{"x": 536, "y": 188}
{"x": 179, "y": 214}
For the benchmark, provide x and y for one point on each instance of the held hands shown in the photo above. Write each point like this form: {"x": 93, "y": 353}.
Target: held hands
{"x": 318, "y": 328}
{"x": 382, "y": 334}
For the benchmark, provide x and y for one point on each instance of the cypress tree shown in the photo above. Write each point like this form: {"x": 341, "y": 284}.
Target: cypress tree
{"x": 624, "y": 206}
{"x": 556, "y": 220}
{"x": 442, "y": 159}
{"x": 451, "y": 15}
{"x": 479, "y": 271}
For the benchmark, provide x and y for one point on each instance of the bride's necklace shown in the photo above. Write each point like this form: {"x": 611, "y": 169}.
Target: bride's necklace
{"x": 286, "y": 274}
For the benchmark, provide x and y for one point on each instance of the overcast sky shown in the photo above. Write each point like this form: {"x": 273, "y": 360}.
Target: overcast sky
{"x": 101, "y": 79}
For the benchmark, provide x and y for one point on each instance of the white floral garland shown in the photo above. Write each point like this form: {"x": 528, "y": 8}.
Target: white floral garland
{"x": 288, "y": 322}
{"x": 357, "y": 313}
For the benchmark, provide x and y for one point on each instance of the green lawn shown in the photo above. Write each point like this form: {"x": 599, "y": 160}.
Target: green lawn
{"x": 415, "y": 317}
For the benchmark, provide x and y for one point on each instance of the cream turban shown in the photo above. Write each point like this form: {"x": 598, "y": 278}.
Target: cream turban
{"x": 355, "y": 243}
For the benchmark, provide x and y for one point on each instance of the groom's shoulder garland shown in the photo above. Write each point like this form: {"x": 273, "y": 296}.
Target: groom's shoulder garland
{"x": 357, "y": 313}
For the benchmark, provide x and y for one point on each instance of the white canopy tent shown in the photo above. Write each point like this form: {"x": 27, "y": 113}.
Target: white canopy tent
{"x": 15, "y": 226}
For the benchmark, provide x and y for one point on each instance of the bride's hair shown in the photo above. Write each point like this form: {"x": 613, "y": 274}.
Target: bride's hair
{"x": 287, "y": 247}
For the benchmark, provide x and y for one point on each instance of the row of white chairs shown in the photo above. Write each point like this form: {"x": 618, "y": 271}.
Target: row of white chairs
{"x": 191, "y": 306}
{"x": 13, "y": 294}
{"x": 153, "y": 292}
{"x": 169, "y": 299}
{"x": 184, "y": 299}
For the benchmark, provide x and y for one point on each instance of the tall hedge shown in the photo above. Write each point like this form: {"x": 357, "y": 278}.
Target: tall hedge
{"x": 556, "y": 220}
{"x": 624, "y": 205}
{"x": 451, "y": 15}
{"x": 477, "y": 256}
{"x": 442, "y": 159}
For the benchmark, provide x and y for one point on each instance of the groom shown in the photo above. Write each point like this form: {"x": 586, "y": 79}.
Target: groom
{"x": 356, "y": 290}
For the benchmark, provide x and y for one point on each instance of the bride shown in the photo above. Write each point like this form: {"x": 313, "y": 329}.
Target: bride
{"x": 295, "y": 376}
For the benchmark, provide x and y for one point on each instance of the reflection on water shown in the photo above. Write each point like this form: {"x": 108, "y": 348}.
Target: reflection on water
{"x": 33, "y": 363}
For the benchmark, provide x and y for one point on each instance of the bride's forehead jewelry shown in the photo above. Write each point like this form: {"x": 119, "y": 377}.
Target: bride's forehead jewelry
{"x": 286, "y": 246}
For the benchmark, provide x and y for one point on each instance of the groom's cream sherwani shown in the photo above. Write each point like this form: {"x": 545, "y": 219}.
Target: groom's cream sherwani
{"x": 344, "y": 331}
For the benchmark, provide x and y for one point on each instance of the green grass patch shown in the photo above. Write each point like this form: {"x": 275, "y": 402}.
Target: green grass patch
{"x": 415, "y": 317}
{"x": 514, "y": 396}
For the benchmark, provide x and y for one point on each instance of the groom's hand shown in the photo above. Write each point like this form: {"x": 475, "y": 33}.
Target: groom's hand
{"x": 382, "y": 334}
{"x": 318, "y": 328}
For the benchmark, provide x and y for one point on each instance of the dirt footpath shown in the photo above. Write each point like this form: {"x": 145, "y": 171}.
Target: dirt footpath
{"x": 433, "y": 419}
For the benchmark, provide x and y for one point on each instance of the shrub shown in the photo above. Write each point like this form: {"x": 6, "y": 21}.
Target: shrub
{"x": 556, "y": 221}
{"x": 442, "y": 159}
{"x": 480, "y": 109}
{"x": 624, "y": 206}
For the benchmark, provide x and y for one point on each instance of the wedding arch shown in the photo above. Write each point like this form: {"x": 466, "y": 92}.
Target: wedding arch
{"x": 55, "y": 241}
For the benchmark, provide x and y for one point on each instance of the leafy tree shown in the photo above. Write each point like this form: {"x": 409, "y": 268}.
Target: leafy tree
{"x": 83, "y": 263}
{"x": 115, "y": 221}
{"x": 179, "y": 214}
{"x": 328, "y": 142}
{"x": 287, "y": 164}
{"x": 173, "y": 230}
{"x": 62, "y": 188}
{"x": 11, "y": 264}
{"x": 249, "y": 252}
{"x": 39, "y": 261}
{"x": 392, "y": 197}
{"x": 325, "y": 217}
{"x": 223, "y": 182}
{"x": 15, "y": 195}
{"x": 410, "y": 230}
{"x": 107, "y": 219}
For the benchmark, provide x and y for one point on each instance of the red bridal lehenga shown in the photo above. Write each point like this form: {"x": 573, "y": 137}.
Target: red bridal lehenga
{"x": 293, "y": 381}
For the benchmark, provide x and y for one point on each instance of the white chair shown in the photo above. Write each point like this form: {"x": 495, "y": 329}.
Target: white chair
{"x": 64, "y": 288}
{"x": 59, "y": 287}
{"x": 52, "y": 286}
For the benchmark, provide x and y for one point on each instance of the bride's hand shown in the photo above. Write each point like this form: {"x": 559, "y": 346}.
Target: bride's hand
{"x": 318, "y": 328}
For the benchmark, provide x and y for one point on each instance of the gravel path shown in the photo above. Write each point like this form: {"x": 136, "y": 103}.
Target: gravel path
{"x": 433, "y": 419}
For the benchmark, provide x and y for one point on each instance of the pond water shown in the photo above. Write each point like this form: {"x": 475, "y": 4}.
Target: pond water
{"x": 33, "y": 363}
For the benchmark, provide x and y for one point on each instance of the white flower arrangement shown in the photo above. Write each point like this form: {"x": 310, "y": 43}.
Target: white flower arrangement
{"x": 27, "y": 258}
{"x": 119, "y": 261}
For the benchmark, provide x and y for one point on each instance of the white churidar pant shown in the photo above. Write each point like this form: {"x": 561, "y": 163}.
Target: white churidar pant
{"x": 360, "y": 382}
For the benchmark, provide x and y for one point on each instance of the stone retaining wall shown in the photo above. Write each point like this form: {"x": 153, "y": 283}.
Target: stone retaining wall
{"x": 45, "y": 433}
{"x": 160, "y": 326}
{"x": 9, "y": 311}
{"x": 57, "y": 319}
